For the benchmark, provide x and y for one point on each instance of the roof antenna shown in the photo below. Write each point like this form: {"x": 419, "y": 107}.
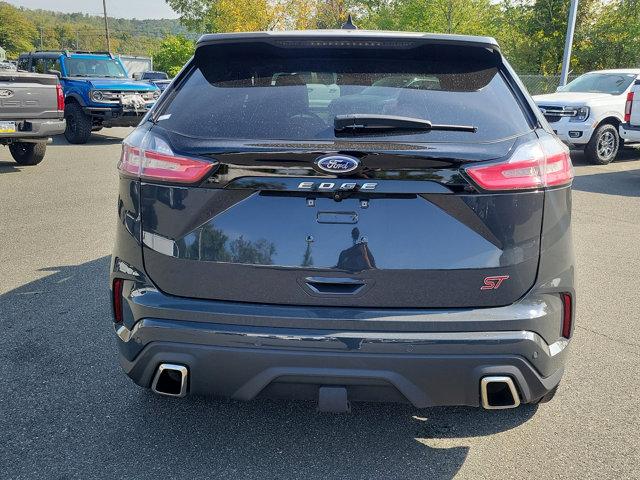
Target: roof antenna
{"x": 348, "y": 25}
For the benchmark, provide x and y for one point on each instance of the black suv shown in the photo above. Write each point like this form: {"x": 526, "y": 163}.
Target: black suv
{"x": 345, "y": 215}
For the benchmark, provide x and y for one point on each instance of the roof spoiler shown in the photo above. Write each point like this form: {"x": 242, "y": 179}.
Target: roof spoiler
{"x": 346, "y": 38}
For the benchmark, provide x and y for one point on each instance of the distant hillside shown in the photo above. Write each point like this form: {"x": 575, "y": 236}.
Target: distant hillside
{"x": 54, "y": 30}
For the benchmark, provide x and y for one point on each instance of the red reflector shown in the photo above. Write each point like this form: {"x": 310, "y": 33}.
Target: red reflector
{"x": 627, "y": 107}
{"x": 116, "y": 291}
{"x": 60, "y": 94}
{"x": 566, "y": 314}
{"x": 537, "y": 164}
{"x": 162, "y": 166}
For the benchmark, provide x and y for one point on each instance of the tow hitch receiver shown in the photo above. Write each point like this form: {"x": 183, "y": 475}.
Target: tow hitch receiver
{"x": 333, "y": 400}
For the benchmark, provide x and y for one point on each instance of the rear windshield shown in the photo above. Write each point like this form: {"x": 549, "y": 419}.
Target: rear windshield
{"x": 263, "y": 92}
{"x": 155, "y": 76}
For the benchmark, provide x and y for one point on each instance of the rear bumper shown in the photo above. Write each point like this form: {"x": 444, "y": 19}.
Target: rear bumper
{"x": 35, "y": 130}
{"x": 229, "y": 353}
{"x": 630, "y": 133}
{"x": 420, "y": 378}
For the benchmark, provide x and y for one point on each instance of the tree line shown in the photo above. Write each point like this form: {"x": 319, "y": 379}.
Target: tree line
{"x": 531, "y": 32}
{"x": 23, "y": 30}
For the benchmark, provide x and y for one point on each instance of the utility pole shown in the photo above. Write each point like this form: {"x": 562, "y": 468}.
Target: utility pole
{"x": 41, "y": 37}
{"x": 568, "y": 43}
{"x": 77, "y": 40}
{"x": 106, "y": 24}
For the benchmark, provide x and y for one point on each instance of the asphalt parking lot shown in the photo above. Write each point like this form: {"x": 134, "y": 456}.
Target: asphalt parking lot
{"x": 67, "y": 411}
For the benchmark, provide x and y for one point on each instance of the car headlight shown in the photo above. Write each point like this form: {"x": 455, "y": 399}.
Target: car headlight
{"x": 97, "y": 96}
{"x": 151, "y": 95}
{"x": 581, "y": 115}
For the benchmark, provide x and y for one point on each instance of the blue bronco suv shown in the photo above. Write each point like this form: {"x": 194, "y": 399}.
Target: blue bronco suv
{"x": 97, "y": 90}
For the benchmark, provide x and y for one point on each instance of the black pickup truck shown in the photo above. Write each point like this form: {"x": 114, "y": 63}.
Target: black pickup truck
{"x": 31, "y": 111}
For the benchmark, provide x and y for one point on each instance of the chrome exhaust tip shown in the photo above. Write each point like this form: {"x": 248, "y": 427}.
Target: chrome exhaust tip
{"x": 498, "y": 393}
{"x": 170, "y": 380}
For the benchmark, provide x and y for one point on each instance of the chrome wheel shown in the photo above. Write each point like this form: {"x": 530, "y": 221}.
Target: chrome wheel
{"x": 606, "y": 144}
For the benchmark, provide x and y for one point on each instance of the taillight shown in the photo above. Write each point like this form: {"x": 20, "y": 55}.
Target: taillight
{"x": 116, "y": 291}
{"x": 537, "y": 164}
{"x": 567, "y": 308}
{"x": 627, "y": 107}
{"x": 60, "y": 94}
{"x": 154, "y": 160}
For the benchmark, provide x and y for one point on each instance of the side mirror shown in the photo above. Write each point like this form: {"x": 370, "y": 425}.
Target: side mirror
{"x": 137, "y": 76}
{"x": 57, "y": 73}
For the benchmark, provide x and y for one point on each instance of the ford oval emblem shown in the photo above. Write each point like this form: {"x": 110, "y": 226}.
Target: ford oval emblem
{"x": 339, "y": 164}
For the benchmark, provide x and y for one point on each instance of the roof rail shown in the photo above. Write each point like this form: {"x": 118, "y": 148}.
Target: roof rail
{"x": 69, "y": 52}
{"x": 97, "y": 52}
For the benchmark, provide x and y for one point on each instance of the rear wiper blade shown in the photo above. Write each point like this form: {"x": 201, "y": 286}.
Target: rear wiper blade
{"x": 358, "y": 122}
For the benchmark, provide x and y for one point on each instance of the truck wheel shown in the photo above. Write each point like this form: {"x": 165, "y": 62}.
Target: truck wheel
{"x": 603, "y": 146}
{"x": 78, "y": 124}
{"x": 27, "y": 153}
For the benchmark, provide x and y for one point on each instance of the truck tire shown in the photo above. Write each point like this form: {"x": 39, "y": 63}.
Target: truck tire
{"x": 604, "y": 145}
{"x": 78, "y": 124}
{"x": 28, "y": 153}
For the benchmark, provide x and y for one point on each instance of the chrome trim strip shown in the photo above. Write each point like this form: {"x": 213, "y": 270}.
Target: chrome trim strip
{"x": 256, "y": 338}
{"x": 558, "y": 111}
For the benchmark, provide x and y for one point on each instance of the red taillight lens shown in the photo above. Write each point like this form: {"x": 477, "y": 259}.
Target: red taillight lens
{"x": 155, "y": 161}
{"x": 537, "y": 164}
{"x": 567, "y": 309}
{"x": 116, "y": 291}
{"x": 60, "y": 94}
{"x": 627, "y": 107}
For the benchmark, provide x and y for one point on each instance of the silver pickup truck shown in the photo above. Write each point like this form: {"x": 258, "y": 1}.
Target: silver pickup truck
{"x": 31, "y": 111}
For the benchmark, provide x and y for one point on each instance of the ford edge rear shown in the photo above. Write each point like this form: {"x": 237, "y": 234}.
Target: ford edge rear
{"x": 345, "y": 216}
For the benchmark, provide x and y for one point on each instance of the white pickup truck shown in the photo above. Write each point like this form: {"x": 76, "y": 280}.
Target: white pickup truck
{"x": 587, "y": 112}
{"x": 630, "y": 129}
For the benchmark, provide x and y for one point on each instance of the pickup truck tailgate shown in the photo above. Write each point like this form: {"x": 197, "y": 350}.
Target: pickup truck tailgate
{"x": 26, "y": 95}
{"x": 634, "y": 120}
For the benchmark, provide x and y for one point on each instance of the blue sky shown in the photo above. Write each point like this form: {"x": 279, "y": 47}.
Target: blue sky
{"x": 115, "y": 8}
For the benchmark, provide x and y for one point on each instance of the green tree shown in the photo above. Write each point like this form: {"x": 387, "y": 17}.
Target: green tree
{"x": 224, "y": 15}
{"x": 173, "y": 53}
{"x": 612, "y": 39}
{"x": 16, "y": 31}
{"x": 533, "y": 32}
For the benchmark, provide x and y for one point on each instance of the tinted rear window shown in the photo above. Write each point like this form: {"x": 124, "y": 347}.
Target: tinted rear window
{"x": 258, "y": 91}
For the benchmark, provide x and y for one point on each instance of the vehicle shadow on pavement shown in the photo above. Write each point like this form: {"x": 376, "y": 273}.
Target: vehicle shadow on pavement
{"x": 624, "y": 183}
{"x": 69, "y": 411}
{"x": 10, "y": 167}
{"x": 94, "y": 139}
